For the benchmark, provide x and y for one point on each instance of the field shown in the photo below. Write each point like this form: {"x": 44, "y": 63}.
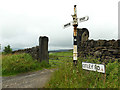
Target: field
{"x": 67, "y": 75}
{"x": 59, "y": 58}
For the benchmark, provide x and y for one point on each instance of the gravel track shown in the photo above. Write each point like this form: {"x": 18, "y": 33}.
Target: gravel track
{"x": 36, "y": 79}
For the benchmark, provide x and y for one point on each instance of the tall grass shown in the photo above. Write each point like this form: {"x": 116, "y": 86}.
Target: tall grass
{"x": 69, "y": 76}
{"x": 20, "y": 63}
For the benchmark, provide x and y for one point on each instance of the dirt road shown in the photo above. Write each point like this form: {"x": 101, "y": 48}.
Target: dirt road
{"x": 28, "y": 80}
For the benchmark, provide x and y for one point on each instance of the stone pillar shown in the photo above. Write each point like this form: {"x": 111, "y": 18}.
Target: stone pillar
{"x": 82, "y": 36}
{"x": 43, "y": 49}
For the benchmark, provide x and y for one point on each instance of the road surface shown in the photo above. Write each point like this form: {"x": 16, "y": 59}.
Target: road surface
{"x": 36, "y": 79}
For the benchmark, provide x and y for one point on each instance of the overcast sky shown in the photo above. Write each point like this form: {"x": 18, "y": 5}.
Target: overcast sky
{"x": 23, "y": 21}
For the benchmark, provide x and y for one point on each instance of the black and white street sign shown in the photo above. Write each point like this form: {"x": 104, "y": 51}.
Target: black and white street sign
{"x": 93, "y": 67}
{"x": 83, "y": 19}
{"x": 75, "y": 21}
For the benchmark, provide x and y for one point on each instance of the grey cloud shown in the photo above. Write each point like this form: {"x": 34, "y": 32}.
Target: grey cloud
{"x": 22, "y": 30}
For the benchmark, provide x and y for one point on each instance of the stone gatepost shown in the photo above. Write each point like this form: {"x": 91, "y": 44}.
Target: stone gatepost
{"x": 82, "y": 36}
{"x": 43, "y": 49}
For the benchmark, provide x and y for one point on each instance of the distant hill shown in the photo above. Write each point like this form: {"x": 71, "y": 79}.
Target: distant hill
{"x": 59, "y": 50}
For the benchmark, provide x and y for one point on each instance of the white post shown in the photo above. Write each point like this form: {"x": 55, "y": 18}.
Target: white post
{"x": 75, "y": 24}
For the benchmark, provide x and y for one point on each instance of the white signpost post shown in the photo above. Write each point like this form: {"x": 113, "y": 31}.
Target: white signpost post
{"x": 93, "y": 67}
{"x": 75, "y": 24}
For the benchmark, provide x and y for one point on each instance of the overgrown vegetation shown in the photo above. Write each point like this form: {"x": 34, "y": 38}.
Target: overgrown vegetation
{"x": 69, "y": 76}
{"x": 13, "y": 64}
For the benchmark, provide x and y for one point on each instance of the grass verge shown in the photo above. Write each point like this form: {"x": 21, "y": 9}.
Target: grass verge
{"x": 69, "y": 76}
{"x": 13, "y": 64}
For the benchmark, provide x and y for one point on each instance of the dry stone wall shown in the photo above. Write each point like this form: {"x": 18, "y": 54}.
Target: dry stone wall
{"x": 103, "y": 49}
{"x": 34, "y": 52}
{"x": 40, "y": 52}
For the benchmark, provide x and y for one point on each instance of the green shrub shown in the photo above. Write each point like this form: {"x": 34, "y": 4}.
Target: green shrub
{"x": 7, "y": 49}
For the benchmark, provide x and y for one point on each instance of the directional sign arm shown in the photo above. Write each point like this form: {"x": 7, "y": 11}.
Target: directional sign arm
{"x": 67, "y": 25}
{"x": 83, "y": 19}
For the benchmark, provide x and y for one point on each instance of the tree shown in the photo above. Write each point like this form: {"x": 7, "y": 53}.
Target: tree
{"x": 7, "y": 49}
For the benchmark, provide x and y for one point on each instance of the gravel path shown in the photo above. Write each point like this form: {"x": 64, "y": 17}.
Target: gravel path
{"x": 28, "y": 80}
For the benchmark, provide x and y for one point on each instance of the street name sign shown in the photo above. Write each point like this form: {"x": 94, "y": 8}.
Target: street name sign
{"x": 93, "y": 67}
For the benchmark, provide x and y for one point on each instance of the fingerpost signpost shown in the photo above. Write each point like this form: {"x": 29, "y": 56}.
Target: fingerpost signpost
{"x": 75, "y": 24}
